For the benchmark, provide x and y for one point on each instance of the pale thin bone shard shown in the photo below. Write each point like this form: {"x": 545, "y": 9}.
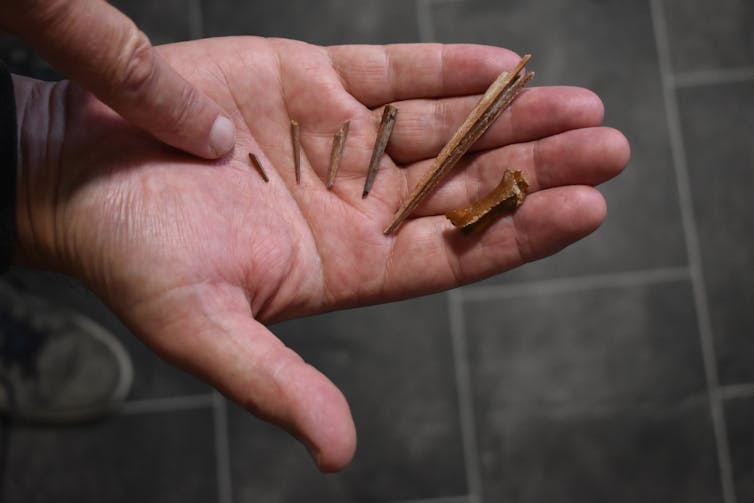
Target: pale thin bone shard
{"x": 497, "y": 98}
{"x": 508, "y": 195}
{"x": 389, "y": 115}
{"x": 296, "y": 140}
{"x": 258, "y": 166}
{"x": 337, "y": 151}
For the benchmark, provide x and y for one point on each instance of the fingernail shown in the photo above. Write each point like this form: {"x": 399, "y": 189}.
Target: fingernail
{"x": 222, "y": 137}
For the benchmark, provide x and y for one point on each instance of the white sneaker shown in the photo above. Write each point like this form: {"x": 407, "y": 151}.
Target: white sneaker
{"x": 57, "y": 366}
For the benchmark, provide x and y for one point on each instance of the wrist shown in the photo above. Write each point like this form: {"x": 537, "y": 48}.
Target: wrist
{"x": 40, "y": 114}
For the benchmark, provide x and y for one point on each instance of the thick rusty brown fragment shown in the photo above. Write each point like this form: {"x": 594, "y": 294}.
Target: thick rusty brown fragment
{"x": 508, "y": 195}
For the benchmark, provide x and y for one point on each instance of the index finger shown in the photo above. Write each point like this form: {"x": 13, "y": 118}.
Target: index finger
{"x": 102, "y": 50}
{"x": 376, "y": 75}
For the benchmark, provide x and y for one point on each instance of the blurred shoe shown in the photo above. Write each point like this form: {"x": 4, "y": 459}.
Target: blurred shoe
{"x": 57, "y": 366}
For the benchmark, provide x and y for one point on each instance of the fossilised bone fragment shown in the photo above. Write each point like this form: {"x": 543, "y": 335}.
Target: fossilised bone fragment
{"x": 508, "y": 195}
{"x": 337, "y": 151}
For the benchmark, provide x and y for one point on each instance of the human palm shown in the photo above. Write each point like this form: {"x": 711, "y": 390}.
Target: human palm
{"x": 197, "y": 256}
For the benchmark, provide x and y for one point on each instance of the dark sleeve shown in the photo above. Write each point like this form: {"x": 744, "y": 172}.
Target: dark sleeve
{"x": 7, "y": 168}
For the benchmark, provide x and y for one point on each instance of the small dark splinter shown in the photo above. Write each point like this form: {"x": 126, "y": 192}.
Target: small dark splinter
{"x": 296, "y": 139}
{"x": 258, "y": 166}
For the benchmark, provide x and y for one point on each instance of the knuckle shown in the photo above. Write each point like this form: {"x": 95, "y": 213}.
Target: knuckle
{"x": 136, "y": 64}
{"x": 186, "y": 105}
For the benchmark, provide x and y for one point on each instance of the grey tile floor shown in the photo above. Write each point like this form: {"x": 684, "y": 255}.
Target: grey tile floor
{"x": 618, "y": 370}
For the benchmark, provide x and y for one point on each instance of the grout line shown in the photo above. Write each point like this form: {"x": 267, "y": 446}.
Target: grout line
{"x": 745, "y": 390}
{"x": 712, "y": 77}
{"x": 578, "y": 283}
{"x": 439, "y": 499}
{"x": 425, "y": 19}
{"x": 465, "y": 396}
{"x": 175, "y": 403}
{"x": 222, "y": 449}
{"x": 693, "y": 250}
{"x": 196, "y": 19}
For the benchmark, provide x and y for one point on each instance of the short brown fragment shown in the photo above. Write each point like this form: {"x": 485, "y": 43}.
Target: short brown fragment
{"x": 255, "y": 162}
{"x": 337, "y": 151}
{"x": 389, "y": 115}
{"x": 296, "y": 139}
{"x": 508, "y": 195}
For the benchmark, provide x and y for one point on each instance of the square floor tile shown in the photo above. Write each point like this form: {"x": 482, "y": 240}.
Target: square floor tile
{"x": 609, "y": 47}
{"x": 588, "y": 350}
{"x": 592, "y": 395}
{"x": 168, "y": 457}
{"x": 710, "y": 35}
{"x": 394, "y": 364}
{"x": 717, "y": 123}
{"x": 324, "y": 22}
{"x": 739, "y": 415}
{"x": 627, "y": 457}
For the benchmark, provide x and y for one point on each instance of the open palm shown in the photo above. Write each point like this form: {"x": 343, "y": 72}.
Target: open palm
{"x": 195, "y": 256}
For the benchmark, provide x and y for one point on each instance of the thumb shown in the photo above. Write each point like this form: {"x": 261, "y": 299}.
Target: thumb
{"x": 102, "y": 50}
{"x": 248, "y": 364}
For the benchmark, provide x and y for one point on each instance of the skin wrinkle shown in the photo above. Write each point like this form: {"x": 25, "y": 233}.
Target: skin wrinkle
{"x": 190, "y": 99}
{"x": 441, "y": 116}
{"x": 523, "y": 247}
{"x": 442, "y": 54}
{"x": 57, "y": 100}
{"x": 280, "y": 68}
{"x": 140, "y": 71}
{"x": 388, "y": 265}
{"x": 389, "y": 72}
{"x": 471, "y": 192}
{"x": 455, "y": 265}
{"x": 339, "y": 73}
{"x": 26, "y": 181}
{"x": 537, "y": 163}
{"x": 286, "y": 108}
{"x": 262, "y": 310}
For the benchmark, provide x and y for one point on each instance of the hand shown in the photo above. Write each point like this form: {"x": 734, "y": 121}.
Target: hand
{"x": 196, "y": 257}
{"x": 102, "y": 50}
